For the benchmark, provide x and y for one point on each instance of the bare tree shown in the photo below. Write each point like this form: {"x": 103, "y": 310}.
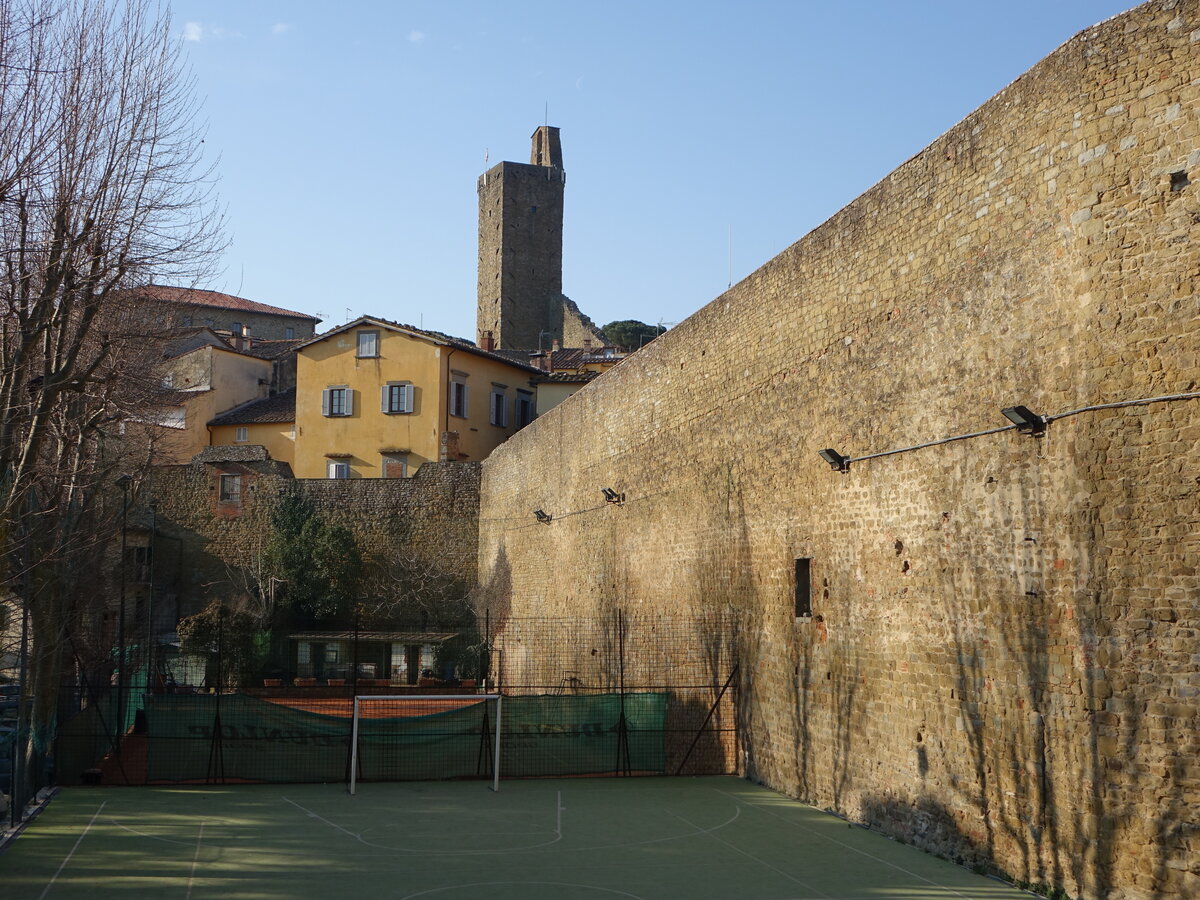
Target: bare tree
{"x": 102, "y": 189}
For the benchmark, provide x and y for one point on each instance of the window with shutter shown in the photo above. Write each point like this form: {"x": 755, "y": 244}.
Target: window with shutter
{"x": 337, "y": 400}
{"x": 499, "y": 408}
{"x": 397, "y": 397}
{"x": 458, "y": 399}
{"x": 524, "y": 408}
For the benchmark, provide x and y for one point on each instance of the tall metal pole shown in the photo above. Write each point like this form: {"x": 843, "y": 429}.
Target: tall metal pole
{"x": 354, "y": 654}
{"x": 123, "y": 483}
{"x": 20, "y": 745}
{"x": 150, "y": 644}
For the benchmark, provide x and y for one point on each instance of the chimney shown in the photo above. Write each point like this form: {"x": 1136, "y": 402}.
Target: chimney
{"x": 489, "y": 341}
{"x": 554, "y": 346}
{"x": 587, "y": 344}
{"x": 243, "y": 340}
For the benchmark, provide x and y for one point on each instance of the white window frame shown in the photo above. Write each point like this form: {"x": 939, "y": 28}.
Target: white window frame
{"x": 459, "y": 400}
{"x": 498, "y": 406}
{"x": 241, "y": 434}
{"x": 337, "y": 469}
{"x": 373, "y": 334}
{"x": 328, "y": 406}
{"x": 396, "y": 398}
{"x": 232, "y": 494}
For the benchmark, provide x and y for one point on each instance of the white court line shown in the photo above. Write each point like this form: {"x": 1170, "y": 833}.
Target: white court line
{"x": 195, "y": 859}
{"x": 78, "y": 841}
{"x": 146, "y": 834}
{"x": 859, "y": 850}
{"x": 558, "y": 816}
{"x": 456, "y": 887}
{"x": 426, "y": 851}
{"x": 313, "y": 815}
{"x": 711, "y": 834}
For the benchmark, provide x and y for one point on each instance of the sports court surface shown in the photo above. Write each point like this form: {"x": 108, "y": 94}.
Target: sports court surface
{"x": 716, "y": 837}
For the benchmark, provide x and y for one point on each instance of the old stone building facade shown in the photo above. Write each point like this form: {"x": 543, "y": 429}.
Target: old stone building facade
{"x": 994, "y": 654}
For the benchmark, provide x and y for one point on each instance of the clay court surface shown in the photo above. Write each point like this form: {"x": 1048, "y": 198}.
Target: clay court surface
{"x": 645, "y": 838}
{"x": 344, "y": 706}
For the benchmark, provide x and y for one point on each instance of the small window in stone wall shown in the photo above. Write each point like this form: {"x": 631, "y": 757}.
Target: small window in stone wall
{"x": 804, "y": 588}
{"x": 231, "y": 488}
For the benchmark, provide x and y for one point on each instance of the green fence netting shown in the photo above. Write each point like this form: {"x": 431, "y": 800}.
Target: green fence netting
{"x": 198, "y": 738}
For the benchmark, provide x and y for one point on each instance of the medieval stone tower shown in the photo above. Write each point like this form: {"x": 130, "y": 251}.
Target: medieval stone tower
{"x": 520, "y": 300}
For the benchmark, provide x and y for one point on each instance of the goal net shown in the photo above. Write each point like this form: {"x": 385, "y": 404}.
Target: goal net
{"x": 420, "y": 737}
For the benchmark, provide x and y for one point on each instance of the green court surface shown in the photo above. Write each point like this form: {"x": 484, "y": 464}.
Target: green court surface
{"x": 579, "y": 838}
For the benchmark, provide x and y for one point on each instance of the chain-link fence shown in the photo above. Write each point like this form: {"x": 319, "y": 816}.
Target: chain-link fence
{"x": 612, "y": 695}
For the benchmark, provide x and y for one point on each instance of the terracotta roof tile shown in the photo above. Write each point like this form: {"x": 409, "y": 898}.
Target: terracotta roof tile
{"x": 198, "y": 297}
{"x": 279, "y": 407}
{"x": 271, "y": 349}
{"x": 457, "y": 343}
{"x": 566, "y": 377}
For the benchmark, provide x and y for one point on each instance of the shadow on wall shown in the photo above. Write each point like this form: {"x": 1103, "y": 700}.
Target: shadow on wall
{"x": 493, "y": 597}
{"x": 926, "y": 823}
{"x": 725, "y": 593}
{"x": 1056, "y": 748}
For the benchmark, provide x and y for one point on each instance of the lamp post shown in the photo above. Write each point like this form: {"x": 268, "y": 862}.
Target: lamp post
{"x": 150, "y": 642}
{"x": 123, "y": 483}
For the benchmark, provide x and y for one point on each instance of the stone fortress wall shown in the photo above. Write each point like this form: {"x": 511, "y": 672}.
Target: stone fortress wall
{"x": 1002, "y": 663}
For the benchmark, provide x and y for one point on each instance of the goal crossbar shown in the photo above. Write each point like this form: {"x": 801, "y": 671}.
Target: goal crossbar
{"x": 405, "y": 699}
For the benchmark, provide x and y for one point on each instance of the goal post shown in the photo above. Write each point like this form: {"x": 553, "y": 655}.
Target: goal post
{"x": 406, "y": 724}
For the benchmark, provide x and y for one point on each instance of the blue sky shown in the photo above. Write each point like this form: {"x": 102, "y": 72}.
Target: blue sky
{"x": 350, "y": 135}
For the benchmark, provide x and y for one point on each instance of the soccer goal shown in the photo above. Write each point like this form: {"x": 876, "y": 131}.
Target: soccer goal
{"x": 417, "y": 737}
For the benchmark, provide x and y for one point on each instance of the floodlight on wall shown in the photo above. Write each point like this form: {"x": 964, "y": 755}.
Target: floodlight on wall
{"x": 611, "y": 496}
{"x": 836, "y": 460}
{"x": 542, "y": 516}
{"x": 1026, "y": 420}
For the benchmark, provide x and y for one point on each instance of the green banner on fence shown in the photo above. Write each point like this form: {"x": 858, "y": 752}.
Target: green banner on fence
{"x": 263, "y": 741}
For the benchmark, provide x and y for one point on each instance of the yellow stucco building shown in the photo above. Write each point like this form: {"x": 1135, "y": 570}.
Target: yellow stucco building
{"x": 269, "y": 422}
{"x": 376, "y": 399}
{"x": 205, "y": 376}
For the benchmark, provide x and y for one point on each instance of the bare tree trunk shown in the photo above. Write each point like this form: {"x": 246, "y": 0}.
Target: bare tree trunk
{"x": 101, "y": 190}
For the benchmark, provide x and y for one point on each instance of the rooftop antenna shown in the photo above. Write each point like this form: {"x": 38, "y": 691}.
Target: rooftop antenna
{"x": 546, "y": 115}
{"x": 730, "y": 255}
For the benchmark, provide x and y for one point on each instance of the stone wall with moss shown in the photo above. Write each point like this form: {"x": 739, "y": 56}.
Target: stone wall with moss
{"x": 202, "y": 542}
